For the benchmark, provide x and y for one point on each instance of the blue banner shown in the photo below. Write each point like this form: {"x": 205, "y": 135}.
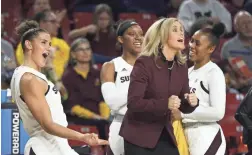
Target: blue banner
{"x": 13, "y": 136}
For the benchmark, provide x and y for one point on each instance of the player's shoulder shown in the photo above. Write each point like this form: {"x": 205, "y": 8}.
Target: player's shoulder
{"x": 108, "y": 67}
{"x": 214, "y": 69}
{"x": 190, "y": 69}
{"x": 31, "y": 79}
{"x": 116, "y": 59}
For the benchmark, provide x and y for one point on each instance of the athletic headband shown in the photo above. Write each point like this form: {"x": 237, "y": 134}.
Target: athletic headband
{"x": 125, "y": 26}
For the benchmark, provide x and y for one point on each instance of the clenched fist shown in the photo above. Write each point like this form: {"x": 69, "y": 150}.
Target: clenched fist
{"x": 174, "y": 102}
{"x": 192, "y": 99}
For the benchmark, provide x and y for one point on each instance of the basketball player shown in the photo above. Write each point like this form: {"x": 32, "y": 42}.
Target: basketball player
{"x": 115, "y": 76}
{"x": 39, "y": 101}
{"x": 204, "y": 135}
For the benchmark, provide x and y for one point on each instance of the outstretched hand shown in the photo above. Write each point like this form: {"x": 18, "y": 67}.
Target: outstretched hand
{"x": 93, "y": 140}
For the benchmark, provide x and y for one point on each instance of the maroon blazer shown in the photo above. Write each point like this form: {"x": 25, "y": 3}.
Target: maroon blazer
{"x": 151, "y": 84}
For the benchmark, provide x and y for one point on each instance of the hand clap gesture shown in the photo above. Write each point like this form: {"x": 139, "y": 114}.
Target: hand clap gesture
{"x": 93, "y": 140}
{"x": 174, "y": 102}
{"x": 192, "y": 99}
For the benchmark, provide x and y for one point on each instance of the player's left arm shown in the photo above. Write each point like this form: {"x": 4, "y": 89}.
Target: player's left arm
{"x": 112, "y": 95}
{"x": 217, "y": 96}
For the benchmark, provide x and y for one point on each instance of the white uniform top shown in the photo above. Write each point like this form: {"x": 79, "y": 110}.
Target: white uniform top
{"x": 122, "y": 81}
{"x": 40, "y": 141}
{"x": 208, "y": 82}
{"x": 115, "y": 93}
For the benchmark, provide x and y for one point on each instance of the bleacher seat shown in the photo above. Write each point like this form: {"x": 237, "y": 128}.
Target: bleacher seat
{"x": 229, "y": 125}
{"x": 82, "y": 129}
{"x": 145, "y": 20}
{"x": 231, "y": 128}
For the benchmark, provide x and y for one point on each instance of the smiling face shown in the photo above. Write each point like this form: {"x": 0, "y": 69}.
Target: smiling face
{"x": 200, "y": 48}
{"x": 39, "y": 48}
{"x": 176, "y": 36}
{"x": 132, "y": 39}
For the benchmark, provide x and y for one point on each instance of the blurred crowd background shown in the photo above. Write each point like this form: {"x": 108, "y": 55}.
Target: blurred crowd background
{"x": 95, "y": 20}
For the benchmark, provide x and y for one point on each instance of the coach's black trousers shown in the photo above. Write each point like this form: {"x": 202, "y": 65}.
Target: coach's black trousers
{"x": 164, "y": 146}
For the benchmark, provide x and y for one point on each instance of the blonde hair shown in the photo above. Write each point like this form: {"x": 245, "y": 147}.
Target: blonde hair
{"x": 157, "y": 36}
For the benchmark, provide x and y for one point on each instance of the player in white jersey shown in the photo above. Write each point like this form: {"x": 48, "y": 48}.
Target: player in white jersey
{"x": 39, "y": 101}
{"x": 115, "y": 77}
{"x": 204, "y": 134}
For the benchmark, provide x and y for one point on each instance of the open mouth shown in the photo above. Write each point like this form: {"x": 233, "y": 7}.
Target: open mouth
{"x": 45, "y": 55}
{"x": 181, "y": 40}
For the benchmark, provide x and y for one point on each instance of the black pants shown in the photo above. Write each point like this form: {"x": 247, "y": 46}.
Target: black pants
{"x": 164, "y": 146}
